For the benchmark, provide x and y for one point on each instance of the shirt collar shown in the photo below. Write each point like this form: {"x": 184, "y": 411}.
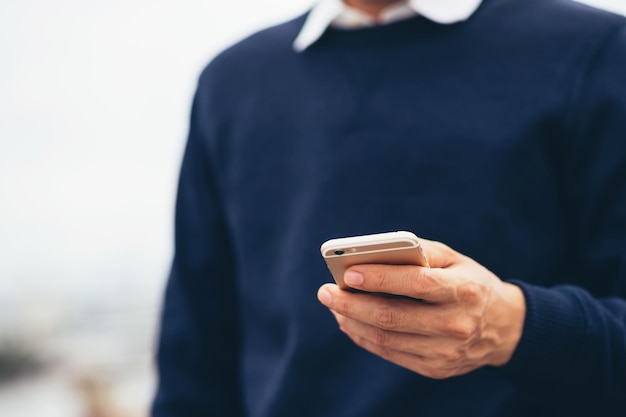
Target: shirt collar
{"x": 334, "y": 12}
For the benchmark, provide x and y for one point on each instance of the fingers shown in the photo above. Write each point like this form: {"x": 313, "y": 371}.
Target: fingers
{"x": 436, "y": 369}
{"x": 454, "y": 317}
{"x": 398, "y": 315}
{"x": 434, "y": 284}
{"x": 372, "y": 309}
{"x": 419, "y": 345}
{"x": 432, "y": 357}
{"x": 428, "y": 284}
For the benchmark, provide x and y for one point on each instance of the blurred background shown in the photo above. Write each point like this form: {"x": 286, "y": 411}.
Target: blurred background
{"x": 94, "y": 102}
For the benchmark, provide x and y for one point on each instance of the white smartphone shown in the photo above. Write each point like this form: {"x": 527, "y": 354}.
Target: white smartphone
{"x": 392, "y": 248}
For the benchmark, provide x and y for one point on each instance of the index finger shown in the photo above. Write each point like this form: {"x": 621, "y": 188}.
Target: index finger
{"x": 428, "y": 284}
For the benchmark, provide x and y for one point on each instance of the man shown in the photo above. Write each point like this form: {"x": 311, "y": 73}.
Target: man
{"x": 497, "y": 127}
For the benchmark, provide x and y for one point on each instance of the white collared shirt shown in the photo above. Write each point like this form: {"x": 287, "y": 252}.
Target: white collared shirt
{"x": 337, "y": 14}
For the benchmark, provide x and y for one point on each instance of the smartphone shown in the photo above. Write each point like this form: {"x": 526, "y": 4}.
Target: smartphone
{"x": 392, "y": 248}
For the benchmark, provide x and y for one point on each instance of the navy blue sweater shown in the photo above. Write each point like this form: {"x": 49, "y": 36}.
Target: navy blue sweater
{"x": 503, "y": 136}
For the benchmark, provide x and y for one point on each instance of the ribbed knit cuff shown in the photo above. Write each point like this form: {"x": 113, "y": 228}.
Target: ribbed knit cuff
{"x": 554, "y": 330}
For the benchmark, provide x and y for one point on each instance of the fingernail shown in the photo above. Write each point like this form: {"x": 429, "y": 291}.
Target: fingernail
{"x": 353, "y": 278}
{"x": 324, "y": 297}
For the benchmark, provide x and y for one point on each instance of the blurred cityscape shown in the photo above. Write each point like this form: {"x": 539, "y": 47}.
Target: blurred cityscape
{"x": 76, "y": 358}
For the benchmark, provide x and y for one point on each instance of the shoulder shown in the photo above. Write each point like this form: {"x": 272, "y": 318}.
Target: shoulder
{"x": 267, "y": 46}
{"x": 577, "y": 29}
{"x": 552, "y": 17}
{"x": 574, "y": 9}
{"x": 563, "y": 9}
{"x": 560, "y": 35}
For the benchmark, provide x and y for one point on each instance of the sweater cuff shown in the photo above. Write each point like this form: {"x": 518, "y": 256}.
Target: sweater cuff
{"x": 554, "y": 329}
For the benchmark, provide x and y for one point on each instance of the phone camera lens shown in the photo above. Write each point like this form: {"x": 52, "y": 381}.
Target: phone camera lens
{"x": 339, "y": 252}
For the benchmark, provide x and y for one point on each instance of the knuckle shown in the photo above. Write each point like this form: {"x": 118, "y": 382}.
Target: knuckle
{"x": 469, "y": 292}
{"x": 381, "y": 338}
{"x": 383, "y": 277}
{"x": 386, "y": 318}
{"x": 451, "y": 356}
{"x": 459, "y": 329}
{"x": 422, "y": 284}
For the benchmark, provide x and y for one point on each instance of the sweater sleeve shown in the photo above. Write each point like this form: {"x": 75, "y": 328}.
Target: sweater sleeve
{"x": 198, "y": 349}
{"x": 573, "y": 347}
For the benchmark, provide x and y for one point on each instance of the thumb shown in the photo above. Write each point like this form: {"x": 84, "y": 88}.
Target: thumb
{"x": 438, "y": 254}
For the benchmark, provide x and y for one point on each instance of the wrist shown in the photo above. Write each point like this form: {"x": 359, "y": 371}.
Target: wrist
{"x": 510, "y": 316}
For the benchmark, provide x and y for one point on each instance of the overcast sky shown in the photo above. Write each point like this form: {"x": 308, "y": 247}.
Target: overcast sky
{"x": 94, "y": 101}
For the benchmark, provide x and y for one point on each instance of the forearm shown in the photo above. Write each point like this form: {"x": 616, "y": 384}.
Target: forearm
{"x": 572, "y": 343}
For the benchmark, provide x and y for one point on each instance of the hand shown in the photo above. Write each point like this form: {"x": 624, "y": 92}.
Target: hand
{"x": 458, "y": 315}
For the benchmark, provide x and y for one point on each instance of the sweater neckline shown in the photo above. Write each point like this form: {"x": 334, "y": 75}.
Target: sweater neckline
{"x": 394, "y": 33}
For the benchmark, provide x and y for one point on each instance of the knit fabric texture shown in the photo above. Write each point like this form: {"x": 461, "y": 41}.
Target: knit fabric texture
{"x": 503, "y": 136}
